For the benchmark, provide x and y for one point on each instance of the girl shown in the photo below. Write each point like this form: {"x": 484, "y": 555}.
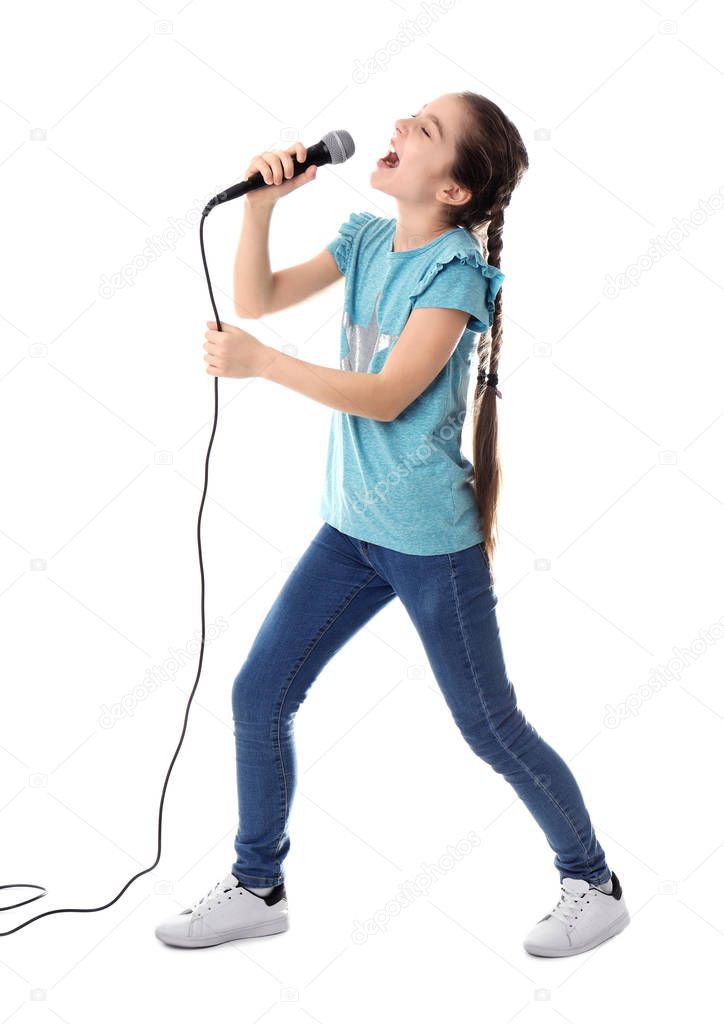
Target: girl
{"x": 405, "y": 513}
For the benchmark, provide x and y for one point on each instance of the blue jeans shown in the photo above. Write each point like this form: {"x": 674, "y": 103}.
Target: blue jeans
{"x": 335, "y": 588}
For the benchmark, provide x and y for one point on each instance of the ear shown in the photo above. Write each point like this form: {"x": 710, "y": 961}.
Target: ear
{"x": 454, "y": 195}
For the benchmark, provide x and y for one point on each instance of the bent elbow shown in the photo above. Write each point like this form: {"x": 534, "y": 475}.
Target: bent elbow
{"x": 246, "y": 313}
{"x": 390, "y": 414}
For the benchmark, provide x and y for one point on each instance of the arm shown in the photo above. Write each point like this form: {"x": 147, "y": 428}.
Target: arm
{"x": 258, "y": 290}
{"x": 357, "y": 393}
{"x": 427, "y": 341}
{"x": 252, "y": 271}
{"x": 294, "y": 284}
{"x": 422, "y": 350}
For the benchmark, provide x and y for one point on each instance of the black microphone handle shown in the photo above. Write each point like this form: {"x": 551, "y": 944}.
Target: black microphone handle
{"x": 317, "y": 154}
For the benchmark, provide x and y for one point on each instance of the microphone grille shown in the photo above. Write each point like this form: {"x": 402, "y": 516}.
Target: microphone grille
{"x": 340, "y": 145}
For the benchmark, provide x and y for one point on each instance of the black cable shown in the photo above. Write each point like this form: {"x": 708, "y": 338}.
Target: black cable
{"x": 92, "y": 910}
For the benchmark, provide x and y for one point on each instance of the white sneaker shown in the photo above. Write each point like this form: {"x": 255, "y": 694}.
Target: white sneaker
{"x": 229, "y": 911}
{"x": 583, "y": 917}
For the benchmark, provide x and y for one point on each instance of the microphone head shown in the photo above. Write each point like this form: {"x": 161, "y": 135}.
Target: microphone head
{"x": 340, "y": 145}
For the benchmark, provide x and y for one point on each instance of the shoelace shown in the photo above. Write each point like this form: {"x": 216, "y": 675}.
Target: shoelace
{"x": 566, "y": 908}
{"x": 208, "y": 900}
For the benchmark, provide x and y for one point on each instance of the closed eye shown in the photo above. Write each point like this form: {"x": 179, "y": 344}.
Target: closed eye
{"x": 424, "y": 129}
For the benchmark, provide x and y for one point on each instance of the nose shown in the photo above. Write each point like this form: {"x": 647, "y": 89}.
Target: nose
{"x": 401, "y": 125}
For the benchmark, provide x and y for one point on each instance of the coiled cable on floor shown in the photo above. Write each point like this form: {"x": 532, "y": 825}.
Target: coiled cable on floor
{"x": 92, "y": 910}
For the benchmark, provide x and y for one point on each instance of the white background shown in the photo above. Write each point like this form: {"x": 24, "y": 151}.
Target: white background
{"x": 119, "y": 121}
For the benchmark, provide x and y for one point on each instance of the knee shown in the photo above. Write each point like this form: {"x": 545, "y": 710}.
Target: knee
{"x": 252, "y": 698}
{"x": 498, "y": 738}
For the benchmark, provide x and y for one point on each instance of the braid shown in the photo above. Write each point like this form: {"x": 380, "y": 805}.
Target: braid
{"x": 489, "y": 351}
{"x": 489, "y": 162}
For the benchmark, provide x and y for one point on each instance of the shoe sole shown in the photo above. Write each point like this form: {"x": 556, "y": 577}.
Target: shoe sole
{"x": 249, "y": 931}
{"x": 613, "y": 929}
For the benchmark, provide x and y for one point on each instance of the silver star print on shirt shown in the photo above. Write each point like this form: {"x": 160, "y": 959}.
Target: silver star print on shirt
{"x": 363, "y": 342}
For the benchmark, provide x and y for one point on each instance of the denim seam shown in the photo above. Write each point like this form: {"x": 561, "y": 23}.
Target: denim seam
{"x": 492, "y": 728}
{"x": 295, "y": 673}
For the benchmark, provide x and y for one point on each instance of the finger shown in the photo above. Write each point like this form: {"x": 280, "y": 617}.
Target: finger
{"x": 301, "y": 151}
{"x": 276, "y": 166}
{"x": 288, "y": 164}
{"x": 258, "y": 163}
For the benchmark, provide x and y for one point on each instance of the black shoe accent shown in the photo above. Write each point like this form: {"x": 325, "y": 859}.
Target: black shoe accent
{"x": 617, "y": 890}
{"x": 277, "y": 893}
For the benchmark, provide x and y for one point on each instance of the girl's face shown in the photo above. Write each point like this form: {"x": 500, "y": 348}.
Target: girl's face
{"x": 425, "y": 147}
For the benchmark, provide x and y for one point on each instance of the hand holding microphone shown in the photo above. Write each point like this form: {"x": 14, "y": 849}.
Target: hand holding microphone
{"x": 275, "y": 166}
{"x": 333, "y": 148}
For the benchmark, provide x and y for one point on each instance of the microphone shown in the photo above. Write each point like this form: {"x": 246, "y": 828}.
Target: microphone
{"x": 333, "y": 148}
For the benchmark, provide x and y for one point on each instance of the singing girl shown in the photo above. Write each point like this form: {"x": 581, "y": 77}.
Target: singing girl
{"x": 405, "y": 514}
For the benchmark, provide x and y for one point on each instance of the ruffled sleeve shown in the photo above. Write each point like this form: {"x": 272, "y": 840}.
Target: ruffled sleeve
{"x": 461, "y": 280}
{"x": 341, "y": 246}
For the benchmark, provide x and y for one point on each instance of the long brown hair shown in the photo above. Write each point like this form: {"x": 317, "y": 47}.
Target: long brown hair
{"x": 490, "y": 160}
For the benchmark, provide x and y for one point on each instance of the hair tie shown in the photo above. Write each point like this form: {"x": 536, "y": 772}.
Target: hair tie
{"x": 492, "y": 381}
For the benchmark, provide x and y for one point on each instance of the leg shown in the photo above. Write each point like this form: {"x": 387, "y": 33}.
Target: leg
{"x": 451, "y": 602}
{"x": 330, "y": 594}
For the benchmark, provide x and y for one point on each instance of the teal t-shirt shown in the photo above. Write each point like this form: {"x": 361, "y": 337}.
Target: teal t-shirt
{"x": 405, "y": 484}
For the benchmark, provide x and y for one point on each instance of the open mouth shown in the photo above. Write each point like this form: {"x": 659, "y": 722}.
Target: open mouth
{"x": 391, "y": 161}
